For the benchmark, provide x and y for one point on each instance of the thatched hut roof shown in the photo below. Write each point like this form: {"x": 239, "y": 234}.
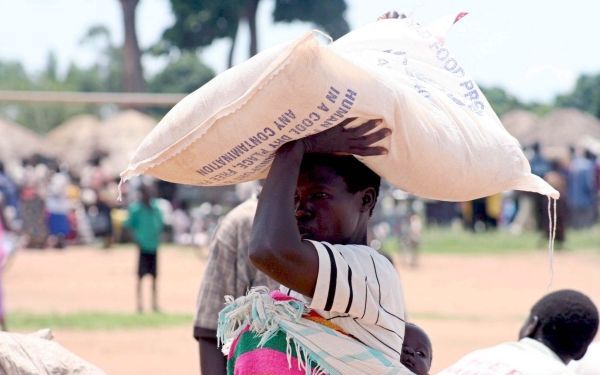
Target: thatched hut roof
{"x": 564, "y": 127}
{"x": 120, "y": 136}
{"x": 76, "y": 140}
{"x": 18, "y": 142}
{"x": 519, "y": 123}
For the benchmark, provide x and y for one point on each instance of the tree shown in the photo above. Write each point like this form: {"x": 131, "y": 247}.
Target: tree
{"x": 40, "y": 117}
{"x": 133, "y": 76}
{"x": 103, "y": 75}
{"x": 199, "y": 23}
{"x": 183, "y": 74}
{"x": 585, "y": 95}
{"x": 327, "y": 14}
{"x": 500, "y": 100}
{"x": 503, "y": 102}
{"x": 109, "y": 65}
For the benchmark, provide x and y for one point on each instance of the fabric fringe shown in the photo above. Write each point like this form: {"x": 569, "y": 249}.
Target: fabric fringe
{"x": 264, "y": 315}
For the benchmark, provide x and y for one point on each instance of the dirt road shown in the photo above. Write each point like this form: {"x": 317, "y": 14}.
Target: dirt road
{"x": 463, "y": 302}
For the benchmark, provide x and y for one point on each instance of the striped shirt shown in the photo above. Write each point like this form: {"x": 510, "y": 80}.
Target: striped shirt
{"x": 359, "y": 290}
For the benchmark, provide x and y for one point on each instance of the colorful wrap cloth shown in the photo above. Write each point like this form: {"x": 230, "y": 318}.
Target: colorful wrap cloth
{"x": 268, "y": 334}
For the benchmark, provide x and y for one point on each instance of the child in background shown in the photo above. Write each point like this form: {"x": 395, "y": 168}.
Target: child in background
{"x": 145, "y": 222}
{"x": 416, "y": 350}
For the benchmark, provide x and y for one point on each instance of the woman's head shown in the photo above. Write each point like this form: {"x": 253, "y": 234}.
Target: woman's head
{"x": 335, "y": 197}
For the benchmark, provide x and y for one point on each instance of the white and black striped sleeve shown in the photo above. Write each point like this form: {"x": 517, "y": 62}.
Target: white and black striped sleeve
{"x": 341, "y": 286}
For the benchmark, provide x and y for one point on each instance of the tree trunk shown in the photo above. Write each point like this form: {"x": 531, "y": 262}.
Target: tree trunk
{"x": 232, "y": 49}
{"x": 250, "y": 15}
{"x": 133, "y": 77}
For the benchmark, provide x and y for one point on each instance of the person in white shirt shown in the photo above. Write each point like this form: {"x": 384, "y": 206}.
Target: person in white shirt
{"x": 590, "y": 363}
{"x": 310, "y": 234}
{"x": 559, "y": 329}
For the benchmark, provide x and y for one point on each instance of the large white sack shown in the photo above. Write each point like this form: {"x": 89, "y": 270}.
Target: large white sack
{"x": 447, "y": 142}
{"x": 35, "y": 354}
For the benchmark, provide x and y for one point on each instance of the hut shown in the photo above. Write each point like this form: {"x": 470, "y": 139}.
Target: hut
{"x": 562, "y": 128}
{"x": 519, "y": 123}
{"x": 18, "y": 142}
{"x": 75, "y": 141}
{"x": 120, "y": 135}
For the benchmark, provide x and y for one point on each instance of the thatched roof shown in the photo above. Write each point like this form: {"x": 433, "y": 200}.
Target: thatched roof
{"x": 563, "y": 127}
{"x": 120, "y": 136}
{"x": 519, "y": 123}
{"x": 18, "y": 142}
{"x": 76, "y": 140}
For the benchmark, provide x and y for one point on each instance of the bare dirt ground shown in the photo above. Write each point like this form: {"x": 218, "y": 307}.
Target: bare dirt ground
{"x": 464, "y": 302}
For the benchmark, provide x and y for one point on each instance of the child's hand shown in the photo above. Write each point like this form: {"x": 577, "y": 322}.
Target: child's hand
{"x": 354, "y": 141}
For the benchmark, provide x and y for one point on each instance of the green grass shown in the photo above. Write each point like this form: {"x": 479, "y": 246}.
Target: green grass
{"x": 441, "y": 240}
{"x": 19, "y": 320}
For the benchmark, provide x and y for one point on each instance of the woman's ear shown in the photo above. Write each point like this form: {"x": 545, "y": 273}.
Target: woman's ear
{"x": 530, "y": 327}
{"x": 369, "y": 198}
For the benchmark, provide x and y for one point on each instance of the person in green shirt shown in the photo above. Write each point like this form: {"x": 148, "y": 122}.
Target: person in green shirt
{"x": 146, "y": 223}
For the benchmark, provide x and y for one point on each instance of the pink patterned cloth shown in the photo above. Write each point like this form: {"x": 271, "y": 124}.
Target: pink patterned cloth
{"x": 3, "y": 259}
{"x": 266, "y": 362}
{"x": 260, "y": 361}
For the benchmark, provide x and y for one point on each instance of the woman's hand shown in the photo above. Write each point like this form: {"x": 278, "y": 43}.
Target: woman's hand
{"x": 356, "y": 141}
{"x": 391, "y": 14}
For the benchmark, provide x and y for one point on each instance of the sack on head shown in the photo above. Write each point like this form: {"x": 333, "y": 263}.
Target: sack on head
{"x": 447, "y": 143}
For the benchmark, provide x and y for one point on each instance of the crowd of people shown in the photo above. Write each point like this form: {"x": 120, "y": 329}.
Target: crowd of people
{"x": 52, "y": 206}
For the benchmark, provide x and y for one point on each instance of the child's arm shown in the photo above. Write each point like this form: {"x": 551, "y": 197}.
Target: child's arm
{"x": 275, "y": 246}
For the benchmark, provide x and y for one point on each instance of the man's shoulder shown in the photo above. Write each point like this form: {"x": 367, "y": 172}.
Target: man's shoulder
{"x": 363, "y": 255}
{"x": 525, "y": 355}
{"x": 359, "y": 250}
{"x": 243, "y": 212}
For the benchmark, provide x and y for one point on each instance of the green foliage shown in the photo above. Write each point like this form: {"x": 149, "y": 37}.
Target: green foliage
{"x": 326, "y": 14}
{"x": 104, "y": 75}
{"x": 183, "y": 74}
{"x": 37, "y": 116}
{"x": 504, "y": 102}
{"x": 585, "y": 95}
{"x": 13, "y": 76}
{"x": 501, "y": 101}
{"x": 199, "y": 23}
{"x": 23, "y": 321}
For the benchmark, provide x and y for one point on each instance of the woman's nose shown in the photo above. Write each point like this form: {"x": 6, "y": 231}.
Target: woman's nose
{"x": 301, "y": 210}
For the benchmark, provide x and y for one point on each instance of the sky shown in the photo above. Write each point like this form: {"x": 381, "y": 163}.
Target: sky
{"x": 534, "y": 49}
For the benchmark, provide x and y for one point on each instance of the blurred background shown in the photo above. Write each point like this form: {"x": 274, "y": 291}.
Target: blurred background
{"x": 82, "y": 83}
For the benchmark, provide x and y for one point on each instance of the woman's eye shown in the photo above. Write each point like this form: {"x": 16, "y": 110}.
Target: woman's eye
{"x": 320, "y": 195}
{"x": 420, "y": 353}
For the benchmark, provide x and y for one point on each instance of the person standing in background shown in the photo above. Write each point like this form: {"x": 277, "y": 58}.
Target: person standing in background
{"x": 146, "y": 224}
{"x": 581, "y": 190}
{"x": 228, "y": 272}
{"x": 57, "y": 205}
